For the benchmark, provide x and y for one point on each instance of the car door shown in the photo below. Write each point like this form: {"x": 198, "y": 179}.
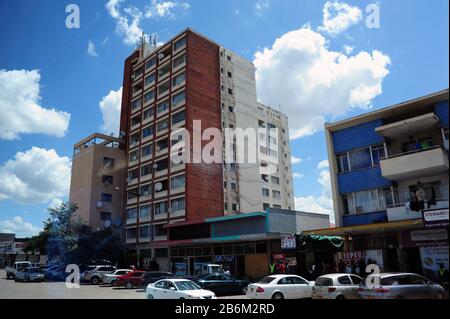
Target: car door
{"x": 353, "y": 291}
{"x": 345, "y": 285}
{"x": 157, "y": 290}
{"x": 171, "y": 291}
{"x": 300, "y": 287}
{"x": 287, "y": 288}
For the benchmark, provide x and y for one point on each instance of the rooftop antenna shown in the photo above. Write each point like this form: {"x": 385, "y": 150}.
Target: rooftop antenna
{"x": 142, "y": 43}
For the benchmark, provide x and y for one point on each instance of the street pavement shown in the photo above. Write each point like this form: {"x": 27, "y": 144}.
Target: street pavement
{"x": 9, "y": 289}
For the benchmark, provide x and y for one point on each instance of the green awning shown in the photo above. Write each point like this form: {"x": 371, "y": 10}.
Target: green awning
{"x": 320, "y": 242}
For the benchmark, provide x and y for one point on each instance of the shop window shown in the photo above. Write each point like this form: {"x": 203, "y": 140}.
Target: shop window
{"x": 360, "y": 159}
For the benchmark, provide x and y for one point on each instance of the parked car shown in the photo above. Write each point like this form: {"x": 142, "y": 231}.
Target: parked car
{"x": 177, "y": 289}
{"x": 17, "y": 266}
{"x": 129, "y": 280}
{"x": 110, "y": 279}
{"x": 280, "y": 287}
{"x": 152, "y": 277}
{"x": 30, "y": 274}
{"x": 222, "y": 284}
{"x": 336, "y": 286}
{"x": 94, "y": 274}
{"x": 399, "y": 286}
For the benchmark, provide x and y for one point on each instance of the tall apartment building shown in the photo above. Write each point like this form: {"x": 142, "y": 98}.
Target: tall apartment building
{"x": 166, "y": 89}
{"x": 96, "y": 185}
{"x": 388, "y": 169}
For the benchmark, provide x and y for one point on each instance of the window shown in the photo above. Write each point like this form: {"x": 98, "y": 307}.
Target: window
{"x": 163, "y": 88}
{"x": 147, "y": 131}
{"x": 266, "y": 206}
{"x": 178, "y": 117}
{"x": 265, "y": 192}
{"x": 134, "y": 139}
{"x": 230, "y": 91}
{"x": 160, "y": 208}
{"x": 178, "y": 44}
{"x": 105, "y": 215}
{"x": 162, "y": 125}
{"x": 367, "y": 201}
{"x": 162, "y": 144}
{"x": 134, "y": 156}
{"x": 177, "y": 204}
{"x": 163, "y": 106}
{"x": 107, "y": 179}
{"x": 146, "y": 170}
{"x": 360, "y": 159}
{"x": 231, "y": 109}
{"x": 177, "y": 182}
{"x": 229, "y": 74}
{"x": 138, "y": 72}
{"x": 131, "y": 233}
{"x": 275, "y": 180}
{"x": 179, "y": 60}
{"x": 131, "y": 194}
{"x": 146, "y": 190}
{"x": 179, "y": 79}
{"x": 229, "y": 58}
{"x": 135, "y": 120}
{"x": 144, "y": 232}
{"x": 344, "y": 280}
{"x": 160, "y": 230}
{"x": 135, "y": 104}
{"x": 162, "y": 165}
{"x": 233, "y": 186}
{"x": 148, "y": 113}
{"x": 131, "y": 213}
{"x": 261, "y": 123}
{"x": 356, "y": 280}
{"x": 150, "y": 79}
{"x": 150, "y": 95}
{"x": 377, "y": 154}
{"x": 276, "y": 194}
{"x": 145, "y": 211}
{"x": 234, "y": 207}
{"x": 342, "y": 163}
{"x": 132, "y": 175}
{"x": 150, "y": 63}
{"x": 164, "y": 70}
{"x": 178, "y": 98}
{"x": 108, "y": 161}
{"x": 147, "y": 150}
{"x": 106, "y": 197}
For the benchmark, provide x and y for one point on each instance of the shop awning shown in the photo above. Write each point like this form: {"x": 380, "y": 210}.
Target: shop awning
{"x": 368, "y": 229}
{"x": 319, "y": 242}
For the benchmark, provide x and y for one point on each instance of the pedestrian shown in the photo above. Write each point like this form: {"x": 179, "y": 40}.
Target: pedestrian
{"x": 362, "y": 268}
{"x": 272, "y": 268}
{"x": 443, "y": 275}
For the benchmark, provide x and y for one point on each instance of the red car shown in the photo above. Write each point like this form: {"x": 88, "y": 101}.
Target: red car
{"x": 130, "y": 280}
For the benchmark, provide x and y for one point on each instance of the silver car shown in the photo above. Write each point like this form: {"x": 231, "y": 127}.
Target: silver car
{"x": 399, "y": 286}
{"x": 336, "y": 286}
{"x": 30, "y": 274}
{"x": 94, "y": 274}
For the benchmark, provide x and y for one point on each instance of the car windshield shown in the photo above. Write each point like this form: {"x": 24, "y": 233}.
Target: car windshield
{"x": 187, "y": 285}
{"x": 216, "y": 269}
{"x": 266, "y": 280}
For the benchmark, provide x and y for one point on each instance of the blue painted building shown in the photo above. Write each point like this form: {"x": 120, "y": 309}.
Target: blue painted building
{"x": 387, "y": 167}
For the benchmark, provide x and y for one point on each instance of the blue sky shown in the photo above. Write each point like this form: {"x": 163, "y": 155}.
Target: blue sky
{"x": 412, "y": 60}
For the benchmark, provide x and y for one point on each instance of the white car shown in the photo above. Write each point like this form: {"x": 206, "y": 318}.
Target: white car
{"x": 177, "y": 289}
{"x": 109, "y": 279}
{"x": 281, "y": 287}
{"x": 336, "y": 286}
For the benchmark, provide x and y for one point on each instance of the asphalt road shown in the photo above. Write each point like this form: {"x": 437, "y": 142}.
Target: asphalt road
{"x": 9, "y": 289}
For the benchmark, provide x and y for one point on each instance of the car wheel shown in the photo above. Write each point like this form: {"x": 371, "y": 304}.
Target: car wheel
{"x": 150, "y": 296}
{"x": 129, "y": 285}
{"x": 277, "y": 295}
{"x": 95, "y": 280}
{"x": 340, "y": 297}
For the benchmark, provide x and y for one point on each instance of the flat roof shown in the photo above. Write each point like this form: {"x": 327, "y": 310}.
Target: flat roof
{"x": 392, "y": 110}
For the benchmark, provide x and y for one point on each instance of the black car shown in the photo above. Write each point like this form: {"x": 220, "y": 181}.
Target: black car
{"x": 222, "y": 284}
{"x": 153, "y": 276}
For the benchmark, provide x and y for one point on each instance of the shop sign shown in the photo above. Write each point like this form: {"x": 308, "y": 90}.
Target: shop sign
{"x": 435, "y": 218}
{"x": 432, "y": 259}
{"x": 291, "y": 261}
{"x": 288, "y": 241}
{"x": 352, "y": 256}
{"x": 429, "y": 235}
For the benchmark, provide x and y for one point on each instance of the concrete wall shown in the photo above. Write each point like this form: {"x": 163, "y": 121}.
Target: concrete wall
{"x": 283, "y": 221}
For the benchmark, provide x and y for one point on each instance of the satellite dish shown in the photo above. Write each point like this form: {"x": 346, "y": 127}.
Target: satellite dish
{"x": 107, "y": 223}
{"x": 158, "y": 187}
{"x": 99, "y": 204}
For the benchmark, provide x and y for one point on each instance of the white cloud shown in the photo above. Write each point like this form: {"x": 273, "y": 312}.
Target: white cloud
{"x": 322, "y": 204}
{"x": 91, "y": 49}
{"x": 165, "y": 9}
{"x": 261, "y": 6}
{"x": 323, "y": 164}
{"x": 35, "y": 176}
{"x": 296, "y": 160}
{"x": 348, "y": 49}
{"x": 110, "y": 106}
{"x": 55, "y": 202}
{"x": 20, "y": 107}
{"x": 129, "y": 30}
{"x": 313, "y": 83}
{"x": 297, "y": 175}
{"x": 338, "y": 17}
{"x": 18, "y": 226}
{"x": 105, "y": 40}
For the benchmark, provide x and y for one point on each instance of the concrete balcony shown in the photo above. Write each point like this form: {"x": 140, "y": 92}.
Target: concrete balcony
{"x": 401, "y": 212}
{"x": 415, "y": 164}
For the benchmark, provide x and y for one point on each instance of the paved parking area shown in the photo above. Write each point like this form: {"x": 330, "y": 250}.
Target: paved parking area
{"x": 9, "y": 289}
